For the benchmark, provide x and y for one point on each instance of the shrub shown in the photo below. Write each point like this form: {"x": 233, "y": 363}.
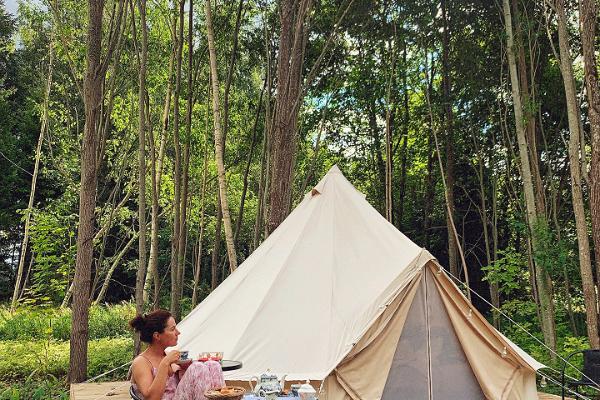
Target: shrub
{"x": 40, "y": 322}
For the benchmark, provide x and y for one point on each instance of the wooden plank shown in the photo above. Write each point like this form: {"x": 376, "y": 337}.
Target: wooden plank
{"x": 120, "y": 391}
{"x": 100, "y": 391}
{"x": 546, "y": 396}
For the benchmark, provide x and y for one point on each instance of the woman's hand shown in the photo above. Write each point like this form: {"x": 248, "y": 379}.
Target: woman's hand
{"x": 171, "y": 357}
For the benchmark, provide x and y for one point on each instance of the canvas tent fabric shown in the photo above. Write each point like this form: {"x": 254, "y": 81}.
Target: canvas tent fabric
{"x": 336, "y": 293}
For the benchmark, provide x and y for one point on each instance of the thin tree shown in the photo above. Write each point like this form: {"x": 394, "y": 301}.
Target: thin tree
{"x": 157, "y": 169}
{"x": 528, "y": 95}
{"x": 38, "y": 153}
{"x": 543, "y": 283}
{"x": 240, "y": 215}
{"x": 228, "y": 80}
{"x": 448, "y": 127}
{"x": 198, "y": 271}
{"x": 219, "y": 143}
{"x": 573, "y": 115}
{"x": 264, "y": 156}
{"x": 183, "y": 231}
{"x": 443, "y": 174}
{"x": 115, "y": 262}
{"x": 404, "y": 137}
{"x": 175, "y": 240}
{"x": 141, "y": 272}
{"x": 479, "y": 171}
{"x": 389, "y": 117}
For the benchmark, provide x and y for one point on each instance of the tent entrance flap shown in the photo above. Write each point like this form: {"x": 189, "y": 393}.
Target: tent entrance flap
{"x": 429, "y": 363}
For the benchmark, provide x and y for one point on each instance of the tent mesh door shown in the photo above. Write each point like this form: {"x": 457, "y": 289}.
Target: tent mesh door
{"x": 429, "y": 363}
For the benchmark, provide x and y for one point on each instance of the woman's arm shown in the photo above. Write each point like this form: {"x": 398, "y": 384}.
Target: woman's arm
{"x": 152, "y": 387}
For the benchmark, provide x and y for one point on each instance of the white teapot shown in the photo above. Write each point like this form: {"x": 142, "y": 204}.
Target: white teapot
{"x": 307, "y": 392}
{"x": 268, "y": 385}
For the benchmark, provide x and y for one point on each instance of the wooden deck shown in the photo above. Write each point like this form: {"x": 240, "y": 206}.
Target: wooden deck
{"x": 100, "y": 391}
{"x": 120, "y": 391}
{"x": 546, "y": 396}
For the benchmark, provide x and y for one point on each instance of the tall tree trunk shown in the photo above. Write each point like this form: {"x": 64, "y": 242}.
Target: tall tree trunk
{"x": 542, "y": 279}
{"x": 448, "y": 125}
{"x": 92, "y": 89}
{"x": 527, "y": 88}
{"x": 585, "y": 263}
{"x": 292, "y": 17}
{"x": 588, "y": 14}
{"x": 141, "y": 272}
{"x": 176, "y": 240}
{"x": 219, "y": 143}
{"x": 38, "y": 153}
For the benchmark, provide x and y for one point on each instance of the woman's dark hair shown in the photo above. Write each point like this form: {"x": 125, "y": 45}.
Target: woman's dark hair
{"x": 147, "y": 324}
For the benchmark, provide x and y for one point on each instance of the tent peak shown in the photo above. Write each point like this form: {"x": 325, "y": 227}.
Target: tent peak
{"x": 335, "y": 169}
{"x": 336, "y": 177}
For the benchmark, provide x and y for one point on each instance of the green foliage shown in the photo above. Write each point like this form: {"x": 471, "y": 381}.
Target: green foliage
{"x": 32, "y": 389}
{"x": 507, "y": 271}
{"x": 20, "y": 359}
{"x": 526, "y": 334}
{"x": 552, "y": 254}
{"x": 53, "y": 245}
{"x": 35, "y": 322}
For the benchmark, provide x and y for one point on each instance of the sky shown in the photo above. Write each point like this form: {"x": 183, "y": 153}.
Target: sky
{"x": 11, "y": 6}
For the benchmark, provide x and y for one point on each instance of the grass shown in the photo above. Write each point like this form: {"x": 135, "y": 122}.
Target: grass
{"x": 20, "y": 359}
{"x": 50, "y": 388}
{"x": 34, "y": 349}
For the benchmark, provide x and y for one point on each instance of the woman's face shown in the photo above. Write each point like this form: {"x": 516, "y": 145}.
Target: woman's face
{"x": 168, "y": 337}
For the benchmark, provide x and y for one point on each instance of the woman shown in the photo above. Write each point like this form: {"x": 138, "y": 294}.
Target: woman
{"x": 157, "y": 375}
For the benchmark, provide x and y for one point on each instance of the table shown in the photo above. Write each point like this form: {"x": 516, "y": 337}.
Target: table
{"x": 230, "y": 365}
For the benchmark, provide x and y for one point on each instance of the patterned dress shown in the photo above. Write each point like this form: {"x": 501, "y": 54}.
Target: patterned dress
{"x": 198, "y": 378}
{"x": 191, "y": 384}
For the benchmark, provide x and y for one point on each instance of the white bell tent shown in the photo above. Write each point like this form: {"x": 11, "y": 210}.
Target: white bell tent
{"x": 336, "y": 293}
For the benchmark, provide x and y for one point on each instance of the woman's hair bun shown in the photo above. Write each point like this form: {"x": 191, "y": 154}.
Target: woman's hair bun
{"x": 148, "y": 324}
{"x": 138, "y": 323}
